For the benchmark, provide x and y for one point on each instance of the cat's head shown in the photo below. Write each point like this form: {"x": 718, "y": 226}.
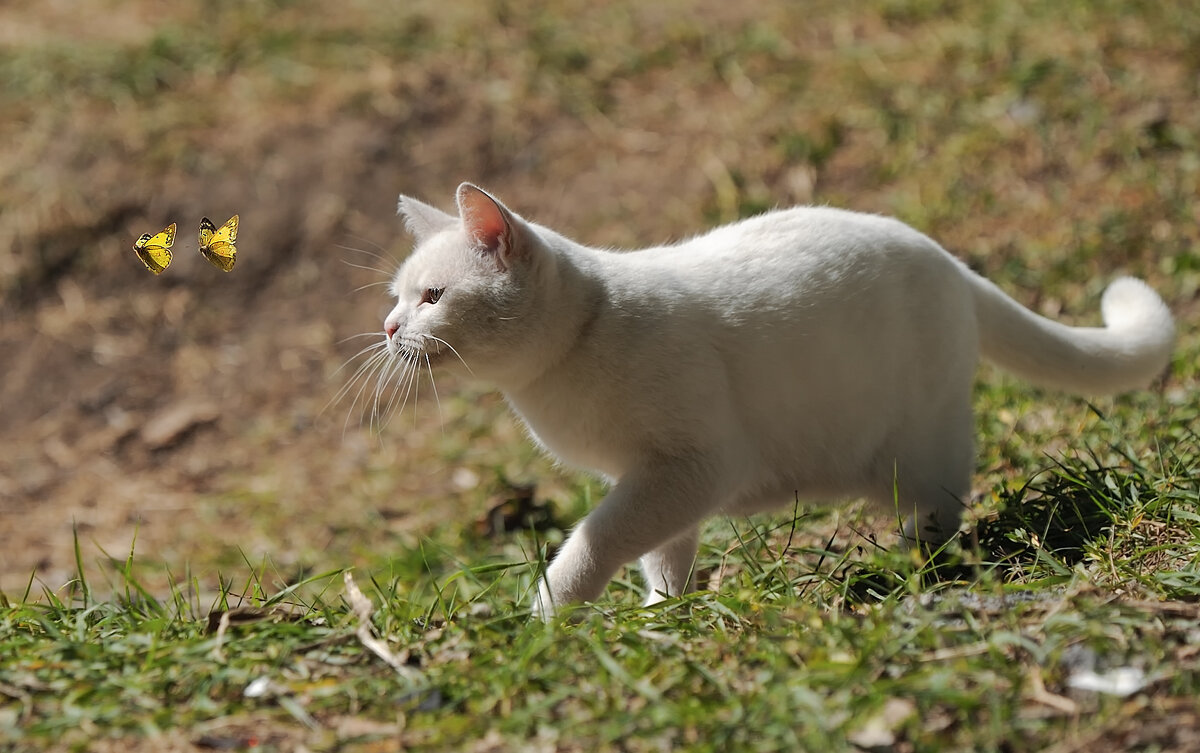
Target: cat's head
{"x": 469, "y": 295}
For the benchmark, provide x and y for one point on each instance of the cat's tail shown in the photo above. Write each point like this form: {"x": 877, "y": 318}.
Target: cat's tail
{"x": 1128, "y": 352}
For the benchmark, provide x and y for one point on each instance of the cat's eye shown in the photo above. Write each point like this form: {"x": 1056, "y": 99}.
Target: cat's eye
{"x": 432, "y": 295}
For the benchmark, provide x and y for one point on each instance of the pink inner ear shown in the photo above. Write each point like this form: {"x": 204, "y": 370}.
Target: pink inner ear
{"x": 484, "y": 219}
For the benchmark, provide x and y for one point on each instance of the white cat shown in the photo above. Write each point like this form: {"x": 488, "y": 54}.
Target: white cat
{"x": 807, "y": 350}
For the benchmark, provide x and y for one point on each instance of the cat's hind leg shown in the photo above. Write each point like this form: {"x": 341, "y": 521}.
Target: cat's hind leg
{"x": 936, "y": 518}
{"x": 932, "y": 476}
{"x": 668, "y": 569}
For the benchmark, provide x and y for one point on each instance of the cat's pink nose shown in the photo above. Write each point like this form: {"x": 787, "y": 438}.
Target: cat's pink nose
{"x": 390, "y": 328}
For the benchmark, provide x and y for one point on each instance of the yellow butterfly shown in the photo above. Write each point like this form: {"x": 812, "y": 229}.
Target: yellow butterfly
{"x": 217, "y": 245}
{"x": 155, "y": 250}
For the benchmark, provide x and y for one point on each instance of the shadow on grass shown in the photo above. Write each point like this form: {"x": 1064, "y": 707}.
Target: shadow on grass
{"x": 1079, "y": 509}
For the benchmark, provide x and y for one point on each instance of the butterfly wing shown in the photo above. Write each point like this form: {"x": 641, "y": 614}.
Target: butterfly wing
{"x": 155, "y": 250}
{"x": 217, "y": 244}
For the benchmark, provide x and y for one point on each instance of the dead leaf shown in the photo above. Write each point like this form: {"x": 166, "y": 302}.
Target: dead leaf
{"x": 879, "y": 732}
{"x": 169, "y": 425}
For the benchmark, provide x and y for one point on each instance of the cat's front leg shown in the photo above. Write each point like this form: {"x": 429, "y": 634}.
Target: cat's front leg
{"x": 648, "y": 510}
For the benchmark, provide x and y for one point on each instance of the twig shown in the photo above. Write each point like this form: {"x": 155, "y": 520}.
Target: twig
{"x": 363, "y": 609}
{"x": 1039, "y": 694}
{"x": 217, "y": 653}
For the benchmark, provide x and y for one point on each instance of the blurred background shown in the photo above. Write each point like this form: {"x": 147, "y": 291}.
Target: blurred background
{"x": 1053, "y": 145}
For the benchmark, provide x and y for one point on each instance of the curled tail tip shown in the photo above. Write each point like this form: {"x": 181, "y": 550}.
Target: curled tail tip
{"x": 1134, "y": 309}
{"x": 1130, "y": 303}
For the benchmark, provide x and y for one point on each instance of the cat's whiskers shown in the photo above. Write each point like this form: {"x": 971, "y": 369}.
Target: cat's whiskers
{"x": 371, "y": 400}
{"x": 387, "y": 260}
{"x": 410, "y": 376}
{"x": 407, "y": 364}
{"x": 387, "y": 374}
{"x": 382, "y": 380}
{"x": 387, "y": 380}
{"x": 366, "y": 240}
{"x": 452, "y": 350}
{"x": 416, "y": 380}
{"x": 371, "y": 404}
{"x": 367, "y": 349}
{"x": 361, "y": 288}
{"x": 366, "y": 268}
{"x": 373, "y": 361}
{"x": 380, "y": 363}
{"x": 348, "y": 338}
{"x": 436, "y": 399}
{"x": 386, "y": 267}
{"x": 363, "y": 377}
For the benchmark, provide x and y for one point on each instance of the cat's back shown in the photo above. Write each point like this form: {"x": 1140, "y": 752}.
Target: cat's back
{"x": 805, "y": 235}
{"x": 801, "y": 249}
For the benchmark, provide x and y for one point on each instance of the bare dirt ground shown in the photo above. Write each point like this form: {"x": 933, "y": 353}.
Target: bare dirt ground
{"x": 188, "y": 411}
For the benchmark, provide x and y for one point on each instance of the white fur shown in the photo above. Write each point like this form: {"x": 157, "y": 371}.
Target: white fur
{"x": 806, "y": 350}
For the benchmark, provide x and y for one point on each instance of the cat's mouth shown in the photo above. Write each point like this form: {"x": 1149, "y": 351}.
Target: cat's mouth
{"x": 415, "y": 349}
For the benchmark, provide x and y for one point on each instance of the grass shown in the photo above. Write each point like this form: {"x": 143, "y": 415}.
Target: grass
{"x": 1050, "y": 144}
{"x": 803, "y": 645}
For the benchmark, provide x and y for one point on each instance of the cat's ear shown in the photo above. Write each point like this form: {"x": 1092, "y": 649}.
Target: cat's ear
{"x": 488, "y": 223}
{"x": 421, "y": 219}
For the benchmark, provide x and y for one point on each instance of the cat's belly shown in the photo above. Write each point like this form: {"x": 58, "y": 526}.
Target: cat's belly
{"x": 754, "y": 499}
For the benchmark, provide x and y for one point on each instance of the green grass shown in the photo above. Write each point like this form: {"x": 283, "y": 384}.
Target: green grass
{"x": 804, "y": 645}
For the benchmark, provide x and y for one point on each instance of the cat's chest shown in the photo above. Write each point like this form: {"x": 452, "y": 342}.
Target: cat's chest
{"x": 580, "y": 426}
